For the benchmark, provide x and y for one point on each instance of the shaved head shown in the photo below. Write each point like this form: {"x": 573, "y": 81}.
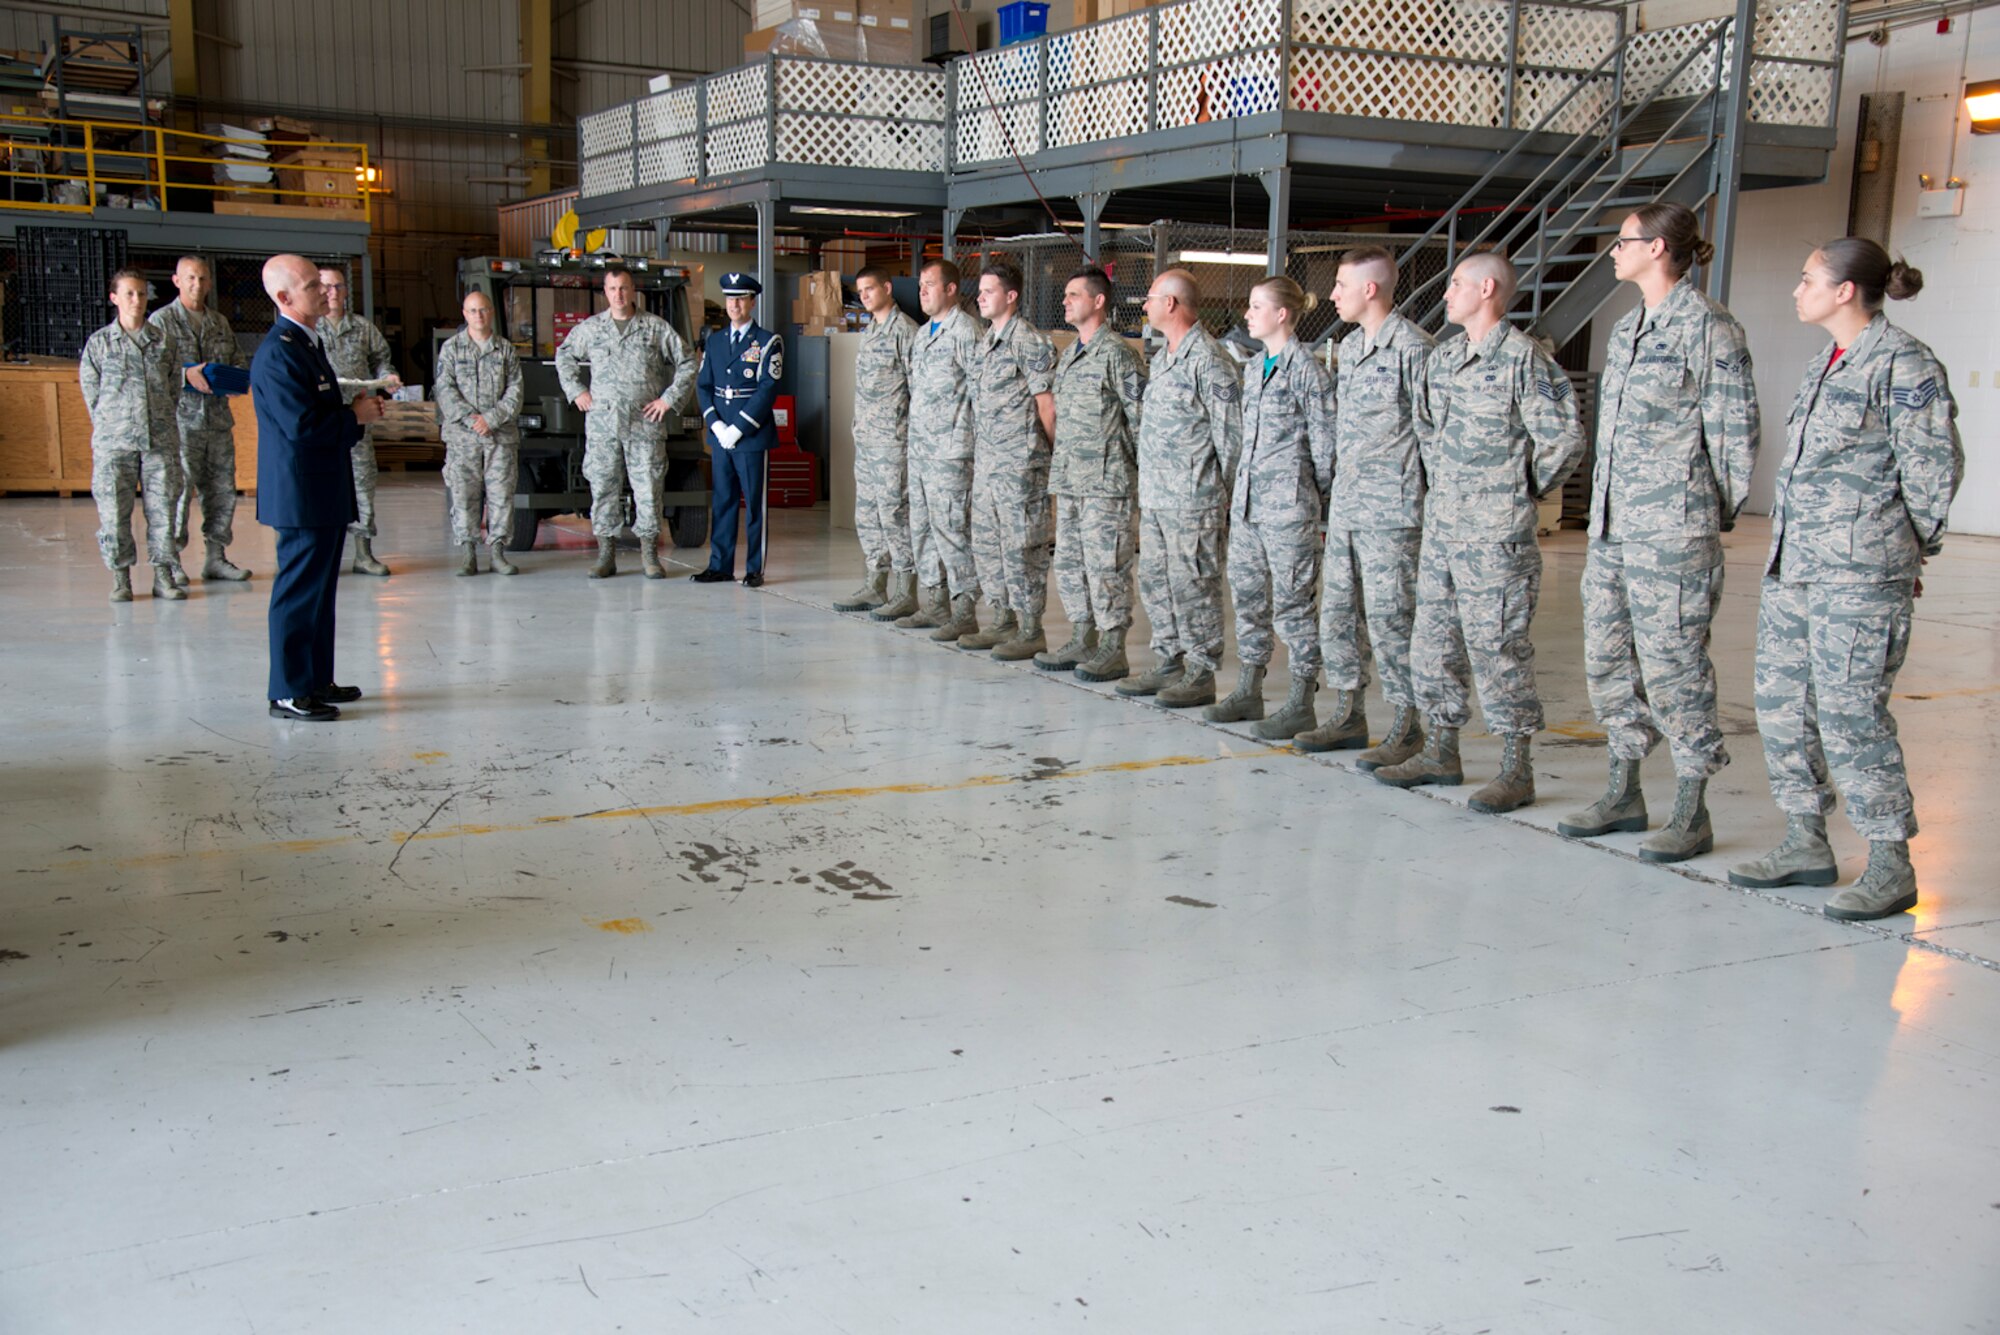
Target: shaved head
{"x": 284, "y": 274}
{"x": 1492, "y": 264}
{"x": 1178, "y": 284}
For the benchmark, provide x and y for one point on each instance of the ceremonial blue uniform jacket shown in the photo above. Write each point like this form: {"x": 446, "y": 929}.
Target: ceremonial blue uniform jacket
{"x": 305, "y": 434}
{"x": 738, "y": 385}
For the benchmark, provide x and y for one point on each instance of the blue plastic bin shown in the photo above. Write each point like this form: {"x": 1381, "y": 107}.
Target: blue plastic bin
{"x": 1022, "y": 20}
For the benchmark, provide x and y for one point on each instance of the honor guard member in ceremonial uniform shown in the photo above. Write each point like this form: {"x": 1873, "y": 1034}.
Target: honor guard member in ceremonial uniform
{"x": 1274, "y": 512}
{"x": 1374, "y": 484}
{"x": 132, "y": 373}
{"x": 1872, "y": 461}
{"x": 1013, "y": 430}
{"x": 359, "y": 354}
{"x": 639, "y": 373}
{"x": 1677, "y": 430}
{"x": 1100, "y": 383}
{"x": 305, "y": 489}
{"x": 478, "y": 389}
{"x": 943, "y": 363}
{"x": 737, "y": 387}
{"x": 1502, "y": 433}
{"x": 208, "y": 438}
{"x": 881, "y": 454}
{"x": 1190, "y": 434}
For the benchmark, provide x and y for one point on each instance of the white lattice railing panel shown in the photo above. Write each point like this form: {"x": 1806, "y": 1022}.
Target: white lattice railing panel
{"x": 1790, "y": 94}
{"x": 1396, "y": 88}
{"x": 603, "y": 131}
{"x": 981, "y": 138}
{"x": 676, "y": 159}
{"x": 1201, "y": 29}
{"x": 666, "y": 115}
{"x": 1091, "y": 115}
{"x": 605, "y": 176}
{"x": 738, "y": 148}
{"x": 1651, "y": 56}
{"x": 1537, "y": 94}
{"x": 1802, "y": 30}
{"x": 739, "y": 94}
{"x": 860, "y": 90}
{"x": 1242, "y": 85}
{"x": 1011, "y": 74}
{"x": 837, "y": 141}
{"x": 1464, "y": 29}
{"x": 1565, "y": 36}
{"x": 1110, "y": 50}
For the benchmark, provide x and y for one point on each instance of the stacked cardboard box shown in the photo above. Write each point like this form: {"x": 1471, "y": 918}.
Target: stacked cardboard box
{"x": 819, "y": 308}
{"x": 1092, "y": 11}
{"x": 877, "y": 31}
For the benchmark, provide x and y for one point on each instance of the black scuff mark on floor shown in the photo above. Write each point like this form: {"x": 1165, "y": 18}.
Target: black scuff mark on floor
{"x": 1189, "y": 903}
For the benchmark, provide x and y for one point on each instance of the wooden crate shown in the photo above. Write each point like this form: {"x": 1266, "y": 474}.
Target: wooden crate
{"x": 45, "y": 431}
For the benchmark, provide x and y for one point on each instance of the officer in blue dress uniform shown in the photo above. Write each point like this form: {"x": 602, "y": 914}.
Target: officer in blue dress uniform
{"x": 737, "y": 386}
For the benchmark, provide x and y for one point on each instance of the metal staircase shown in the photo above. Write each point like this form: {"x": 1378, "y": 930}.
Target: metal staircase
{"x": 1670, "y": 140}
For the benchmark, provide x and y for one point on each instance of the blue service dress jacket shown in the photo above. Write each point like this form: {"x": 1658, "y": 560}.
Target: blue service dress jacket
{"x": 305, "y": 434}
{"x": 738, "y": 385}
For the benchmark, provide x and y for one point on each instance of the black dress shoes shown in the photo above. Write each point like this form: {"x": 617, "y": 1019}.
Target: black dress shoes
{"x": 754, "y": 580}
{"x": 307, "y": 710}
{"x": 710, "y": 577}
{"x": 338, "y": 695}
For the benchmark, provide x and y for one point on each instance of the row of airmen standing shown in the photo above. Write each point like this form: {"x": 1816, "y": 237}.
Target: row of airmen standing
{"x": 1426, "y": 463}
{"x": 160, "y": 437}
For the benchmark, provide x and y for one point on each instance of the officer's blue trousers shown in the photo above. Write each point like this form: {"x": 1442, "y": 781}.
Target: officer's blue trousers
{"x": 739, "y": 479}
{"x": 301, "y": 616}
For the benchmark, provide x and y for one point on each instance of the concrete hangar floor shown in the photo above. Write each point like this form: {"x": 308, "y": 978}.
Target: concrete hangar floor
{"x": 651, "y": 956}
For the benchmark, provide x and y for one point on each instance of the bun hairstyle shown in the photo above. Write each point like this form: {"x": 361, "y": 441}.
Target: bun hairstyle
{"x": 1857, "y": 260}
{"x": 1677, "y": 225}
{"x": 1288, "y": 294}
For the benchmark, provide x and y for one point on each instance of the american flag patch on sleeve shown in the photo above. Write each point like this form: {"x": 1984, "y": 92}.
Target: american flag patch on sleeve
{"x": 1920, "y": 397}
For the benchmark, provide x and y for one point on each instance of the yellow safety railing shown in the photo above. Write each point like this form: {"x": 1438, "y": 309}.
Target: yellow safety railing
{"x": 49, "y": 153}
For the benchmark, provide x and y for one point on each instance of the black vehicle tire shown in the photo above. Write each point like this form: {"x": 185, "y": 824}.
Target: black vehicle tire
{"x": 689, "y": 525}
{"x": 526, "y": 523}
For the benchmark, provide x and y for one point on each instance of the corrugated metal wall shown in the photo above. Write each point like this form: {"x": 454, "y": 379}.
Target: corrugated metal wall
{"x": 677, "y": 35}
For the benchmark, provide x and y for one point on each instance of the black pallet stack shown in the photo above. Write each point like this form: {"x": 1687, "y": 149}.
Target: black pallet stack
{"x": 65, "y": 281}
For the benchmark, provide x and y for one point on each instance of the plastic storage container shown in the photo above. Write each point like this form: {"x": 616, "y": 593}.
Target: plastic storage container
{"x": 1023, "y": 20}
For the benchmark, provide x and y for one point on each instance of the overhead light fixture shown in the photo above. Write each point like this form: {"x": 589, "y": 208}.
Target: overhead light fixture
{"x": 1221, "y": 257}
{"x": 1982, "y": 106}
{"x": 843, "y": 212}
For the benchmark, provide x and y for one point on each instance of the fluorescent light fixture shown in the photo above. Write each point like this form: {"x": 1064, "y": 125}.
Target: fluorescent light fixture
{"x": 845, "y": 212}
{"x": 1221, "y": 257}
{"x": 1982, "y": 106}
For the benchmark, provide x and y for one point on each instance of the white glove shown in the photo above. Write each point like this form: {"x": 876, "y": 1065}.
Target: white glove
{"x": 727, "y": 436}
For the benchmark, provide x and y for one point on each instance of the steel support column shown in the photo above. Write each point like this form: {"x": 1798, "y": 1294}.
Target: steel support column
{"x": 663, "y": 239}
{"x": 767, "y": 271}
{"x": 952, "y": 218}
{"x": 1092, "y": 203}
{"x": 1729, "y": 161}
{"x": 1278, "y": 185}
{"x": 538, "y": 35}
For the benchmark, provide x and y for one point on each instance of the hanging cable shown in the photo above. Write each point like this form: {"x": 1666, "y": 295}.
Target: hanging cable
{"x": 1006, "y": 132}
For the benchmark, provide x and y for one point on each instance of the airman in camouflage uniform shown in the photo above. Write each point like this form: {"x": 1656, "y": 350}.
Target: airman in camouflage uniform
{"x": 131, "y": 380}
{"x": 1100, "y": 384}
{"x": 477, "y": 384}
{"x": 881, "y": 453}
{"x": 358, "y": 353}
{"x": 943, "y": 363}
{"x": 1500, "y": 433}
{"x": 208, "y": 438}
{"x": 1010, "y": 470}
{"x": 1374, "y": 480}
{"x": 1274, "y": 541}
{"x": 1677, "y": 432}
{"x": 1190, "y": 434}
{"x": 1872, "y": 461}
{"x": 633, "y": 365}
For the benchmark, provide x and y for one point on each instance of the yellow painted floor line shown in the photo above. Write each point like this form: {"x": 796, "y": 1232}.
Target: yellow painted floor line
{"x": 769, "y": 800}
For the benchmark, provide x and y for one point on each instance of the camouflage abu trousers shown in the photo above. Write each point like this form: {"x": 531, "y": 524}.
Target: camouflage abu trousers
{"x": 940, "y": 524}
{"x": 609, "y": 463}
{"x": 1097, "y": 557}
{"x": 481, "y": 473}
{"x": 364, "y": 485}
{"x": 1475, "y": 602}
{"x": 1010, "y": 533}
{"x": 882, "y": 510}
{"x": 1647, "y": 608}
{"x": 1368, "y": 596}
{"x": 117, "y": 479}
{"x": 1273, "y": 568}
{"x": 1827, "y": 656}
{"x": 1180, "y": 582}
{"x": 208, "y": 468}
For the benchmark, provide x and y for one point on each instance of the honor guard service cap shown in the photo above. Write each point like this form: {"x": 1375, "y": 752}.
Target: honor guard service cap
{"x": 741, "y": 285}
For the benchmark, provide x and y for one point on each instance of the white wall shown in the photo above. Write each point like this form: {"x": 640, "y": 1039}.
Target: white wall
{"x": 1960, "y": 257}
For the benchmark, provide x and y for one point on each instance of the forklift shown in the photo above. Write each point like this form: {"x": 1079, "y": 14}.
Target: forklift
{"x": 536, "y": 302}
